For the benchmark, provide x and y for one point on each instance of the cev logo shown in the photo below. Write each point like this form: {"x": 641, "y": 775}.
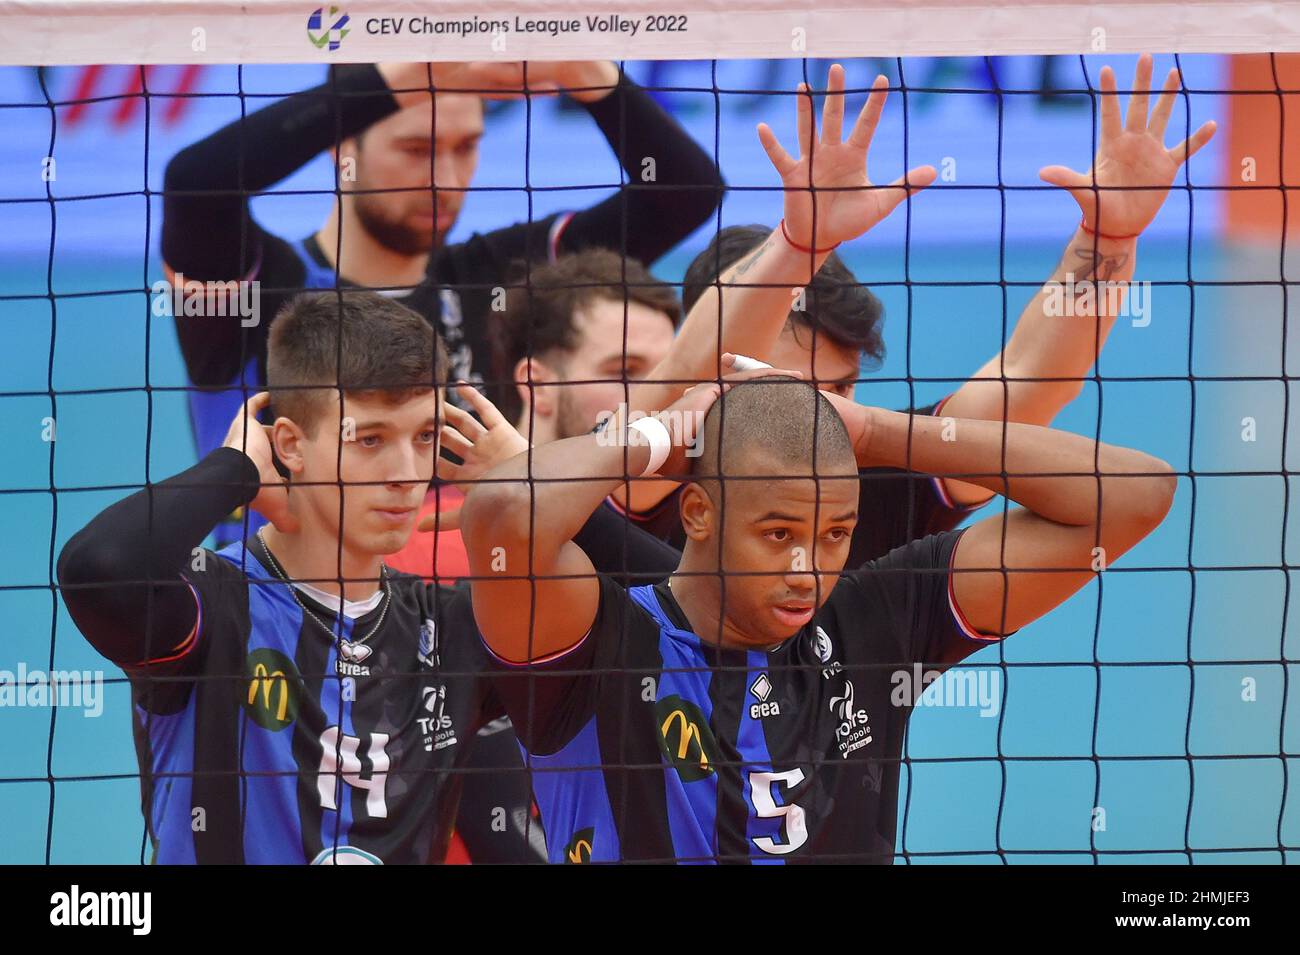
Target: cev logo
{"x": 321, "y": 35}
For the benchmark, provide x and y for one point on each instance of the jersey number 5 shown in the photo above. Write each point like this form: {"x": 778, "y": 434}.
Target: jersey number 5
{"x": 765, "y": 807}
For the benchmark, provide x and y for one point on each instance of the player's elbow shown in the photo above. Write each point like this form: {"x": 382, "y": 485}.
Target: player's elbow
{"x": 89, "y": 568}
{"x": 1141, "y": 501}
{"x": 188, "y": 169}
{"x": 1156, "y": 497}
{"x": 84, "y": 561}
{"x": 495, "y": 515}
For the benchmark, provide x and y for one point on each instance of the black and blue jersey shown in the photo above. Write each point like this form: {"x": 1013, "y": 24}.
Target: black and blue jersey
{"x": 263, "y": 739}
{"x": 646, "y": 744}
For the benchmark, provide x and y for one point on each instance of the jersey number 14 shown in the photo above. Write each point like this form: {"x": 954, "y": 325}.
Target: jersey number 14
{"x": 339, "y": 759}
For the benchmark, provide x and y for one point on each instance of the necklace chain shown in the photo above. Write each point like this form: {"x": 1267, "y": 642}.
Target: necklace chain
{"x": 293, "y": 591}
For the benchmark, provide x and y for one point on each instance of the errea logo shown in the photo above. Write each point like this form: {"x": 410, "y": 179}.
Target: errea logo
{"x": 761, "y": 688}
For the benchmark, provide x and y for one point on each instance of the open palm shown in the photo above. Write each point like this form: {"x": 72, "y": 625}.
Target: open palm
{"x": 829, "y": 196}
{"x": 1132, "y": 171}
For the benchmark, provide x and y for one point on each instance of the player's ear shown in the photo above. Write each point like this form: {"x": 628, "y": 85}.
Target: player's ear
{"x": 287, "y": 442}
{"x": 543, "y": 400}
{"x": 699, "y": 515}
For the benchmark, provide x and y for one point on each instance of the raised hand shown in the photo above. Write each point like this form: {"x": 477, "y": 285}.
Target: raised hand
{"x": 480, "y": 444}
{"x": 250, "y": 436}
{"x": 1130, "y": 155}
{"x": 830, "y": 176}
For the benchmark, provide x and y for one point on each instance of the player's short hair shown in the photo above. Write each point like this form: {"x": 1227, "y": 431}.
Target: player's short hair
{"x": 837, "y": 304}
{"x": 785, "y": 419}
{"x": 539, "y": 309}
{"x": 359, "y": 342}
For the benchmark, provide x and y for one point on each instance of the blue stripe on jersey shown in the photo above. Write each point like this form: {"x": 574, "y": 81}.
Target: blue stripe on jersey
{"x": 336, "y": 824}
{"x": 575, "y": 799}
{"x": 171, "y": 746}
{"x": 272, "y": 822}
{"x": 692, "y": 807}
{"x": 212, "y": 411}
{"x": 317, "y": 276}
{"x": 751, "y": 744}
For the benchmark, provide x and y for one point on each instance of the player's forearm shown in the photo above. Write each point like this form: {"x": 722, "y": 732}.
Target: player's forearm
{"x": 121, "y": 575}
{"x": 1057, "y": 339}
{"x": 742, "y": 313}
{"x": 540, "y": 499}
{"x": 1062, "y": 477}
{"x": 207, "y": 184}
{"x": 674, "y": 185}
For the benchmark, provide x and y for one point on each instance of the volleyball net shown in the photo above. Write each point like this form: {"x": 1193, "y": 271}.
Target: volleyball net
{"x": 1151, "y": 718}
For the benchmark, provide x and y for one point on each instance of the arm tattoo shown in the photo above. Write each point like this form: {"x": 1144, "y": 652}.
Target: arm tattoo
{"x": 750, "y": 262}
{"x": 1096, "y": 267}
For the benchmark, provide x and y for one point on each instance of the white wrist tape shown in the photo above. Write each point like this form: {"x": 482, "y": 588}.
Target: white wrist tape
{"x": 658, "y": 438}
{"x": 745, "y": 363}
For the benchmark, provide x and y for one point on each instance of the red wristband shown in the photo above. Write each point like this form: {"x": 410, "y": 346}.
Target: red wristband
{"x": 796, "y": 245}
{"x": 1083, "y": 224}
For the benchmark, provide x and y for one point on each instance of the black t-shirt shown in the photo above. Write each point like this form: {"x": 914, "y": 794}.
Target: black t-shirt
{"x": 646, "y": 744}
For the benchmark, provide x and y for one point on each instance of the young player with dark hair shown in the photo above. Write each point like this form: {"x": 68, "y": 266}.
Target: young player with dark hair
{"x": 744, "y": 710}
{"x": 295, "y": 700}
{"x": 571, "y": 339}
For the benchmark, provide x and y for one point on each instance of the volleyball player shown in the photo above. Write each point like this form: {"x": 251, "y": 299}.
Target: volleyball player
{"x": 294, "y": 699}
{"x": 403, "y": 179}
{"x": 744, "y": 710}
{"x": 834, "y": 328}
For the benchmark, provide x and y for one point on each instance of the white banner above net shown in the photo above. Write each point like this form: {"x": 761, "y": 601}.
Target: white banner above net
{"x": 66, "y": 32}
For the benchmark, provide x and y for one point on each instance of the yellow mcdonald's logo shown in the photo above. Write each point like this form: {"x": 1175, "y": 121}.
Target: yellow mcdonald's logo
{"x": 689, "y": 732}
{"x": 265, "y": 681}
{"x": 580, "y": 852}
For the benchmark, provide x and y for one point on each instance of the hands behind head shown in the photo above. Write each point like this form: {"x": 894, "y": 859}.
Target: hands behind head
{"x": 253, "y": 438}
{"x": 684, "y": 418}
{"x": 1129, "y": 155}
{"x": 828, "y": 184}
